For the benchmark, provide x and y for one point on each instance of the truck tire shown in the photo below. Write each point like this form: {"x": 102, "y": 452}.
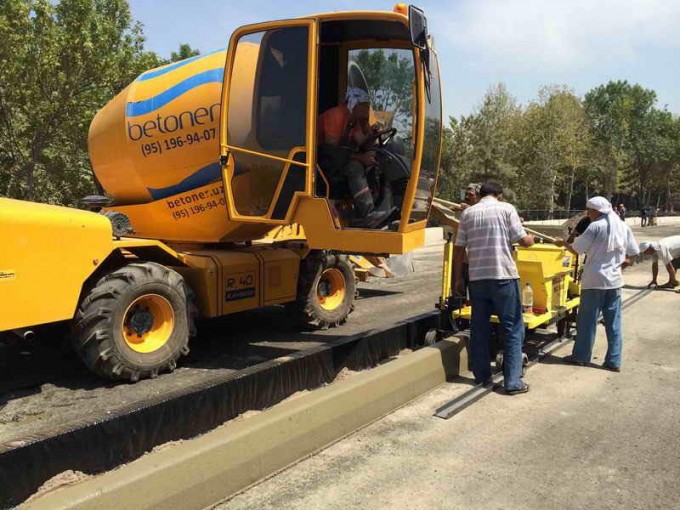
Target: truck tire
{"x": 326, "y": 291}
{"x": 135, "y": 322}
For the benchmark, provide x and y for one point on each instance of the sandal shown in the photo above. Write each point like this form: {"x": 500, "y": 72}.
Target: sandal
{"x": 522, "y": 389}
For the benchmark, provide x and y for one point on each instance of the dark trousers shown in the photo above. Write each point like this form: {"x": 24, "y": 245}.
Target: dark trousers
{"x": 500, "y": 298}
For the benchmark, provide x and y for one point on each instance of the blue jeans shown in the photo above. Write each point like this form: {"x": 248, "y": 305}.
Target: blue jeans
{"x": 499, "y": 297}
{"x": 592, "y": 302}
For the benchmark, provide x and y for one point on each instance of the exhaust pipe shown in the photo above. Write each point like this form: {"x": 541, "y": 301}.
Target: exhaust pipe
{"x": 27, "y": 335}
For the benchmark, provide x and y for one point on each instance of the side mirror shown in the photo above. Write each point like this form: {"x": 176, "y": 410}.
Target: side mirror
{"x": 418, "y": 27}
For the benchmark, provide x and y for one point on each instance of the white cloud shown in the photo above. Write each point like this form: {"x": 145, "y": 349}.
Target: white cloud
{"x": 559, "y": 34}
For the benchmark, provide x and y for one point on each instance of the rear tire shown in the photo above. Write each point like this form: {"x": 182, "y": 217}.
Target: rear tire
{"x": 326, "y": 291}
{"x": 135, "y": 322}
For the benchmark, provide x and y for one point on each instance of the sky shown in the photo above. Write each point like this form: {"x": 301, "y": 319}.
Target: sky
{"x": 522, "y": 43}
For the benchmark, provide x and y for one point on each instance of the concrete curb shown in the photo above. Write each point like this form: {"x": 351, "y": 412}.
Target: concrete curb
{"x": 203, "y": 471}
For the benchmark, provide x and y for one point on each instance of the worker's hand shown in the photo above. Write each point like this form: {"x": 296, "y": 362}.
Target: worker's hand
{"x": 527, "y": 241}
{"x": 559, "y": 242}
{"x": 626, "y": 263}
{"x": 459, "y": 287}
{"x": 464, "y": 206}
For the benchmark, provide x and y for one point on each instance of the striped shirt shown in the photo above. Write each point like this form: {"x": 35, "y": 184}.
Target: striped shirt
{"x": 487, "y": 230}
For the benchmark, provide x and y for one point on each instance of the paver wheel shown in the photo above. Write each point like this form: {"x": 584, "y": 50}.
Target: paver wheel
{"x": 431, "y": 337}
{"x": 326, "y": 290}
{"x": 135, "y": 322}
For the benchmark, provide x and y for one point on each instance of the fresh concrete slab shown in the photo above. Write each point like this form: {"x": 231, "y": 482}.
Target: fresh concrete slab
{"x": 583, "y": 437}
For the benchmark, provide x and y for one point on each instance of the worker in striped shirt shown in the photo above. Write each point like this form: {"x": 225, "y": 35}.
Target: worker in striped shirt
{"x": 487, "y": 231}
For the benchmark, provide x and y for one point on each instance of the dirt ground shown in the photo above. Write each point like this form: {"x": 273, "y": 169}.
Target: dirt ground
{"x": 70, "y": 394}
{"x": 582, "y": 437}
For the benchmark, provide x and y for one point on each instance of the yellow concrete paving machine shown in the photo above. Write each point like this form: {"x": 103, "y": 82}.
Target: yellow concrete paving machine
{"x": 551, "y": 272}
{"x": 208, "y": 164}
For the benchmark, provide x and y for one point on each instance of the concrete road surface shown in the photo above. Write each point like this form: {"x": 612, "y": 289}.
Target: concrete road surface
{"x": 583, "y": 437}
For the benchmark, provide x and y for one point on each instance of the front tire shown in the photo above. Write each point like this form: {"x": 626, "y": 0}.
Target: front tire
{"x": 326, "y": 291}
{"x": 135, "y": 322}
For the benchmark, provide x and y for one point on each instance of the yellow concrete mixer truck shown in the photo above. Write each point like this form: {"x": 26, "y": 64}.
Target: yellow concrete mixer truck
{"x": 199, "y": 161}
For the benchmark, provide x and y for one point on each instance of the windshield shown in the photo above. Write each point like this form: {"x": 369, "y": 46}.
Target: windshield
{"x": 389, "y": 74}
{"x": 431, "y": 145}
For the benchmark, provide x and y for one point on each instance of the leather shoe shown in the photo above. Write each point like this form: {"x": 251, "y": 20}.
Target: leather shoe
{"x": 571, "y": 359}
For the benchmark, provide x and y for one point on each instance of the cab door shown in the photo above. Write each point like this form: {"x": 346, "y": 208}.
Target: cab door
{"x": 268, "y": 120}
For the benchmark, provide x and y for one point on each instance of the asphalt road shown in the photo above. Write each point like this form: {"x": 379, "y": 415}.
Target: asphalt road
{"x": 583, "y": 437}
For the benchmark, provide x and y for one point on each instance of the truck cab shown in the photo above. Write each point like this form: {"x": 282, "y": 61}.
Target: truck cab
{"x": 281, "y": 76}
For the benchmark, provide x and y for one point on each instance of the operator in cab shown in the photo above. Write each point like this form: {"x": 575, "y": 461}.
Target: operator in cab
{"x": 343, "y": 131}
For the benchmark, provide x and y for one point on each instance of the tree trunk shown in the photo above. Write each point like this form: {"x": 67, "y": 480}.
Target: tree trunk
{"x": 571, "y": 189}
{"x": 551, "y": 205}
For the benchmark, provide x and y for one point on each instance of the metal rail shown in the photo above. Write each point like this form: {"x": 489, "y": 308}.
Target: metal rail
{"x": 471, "y": 396}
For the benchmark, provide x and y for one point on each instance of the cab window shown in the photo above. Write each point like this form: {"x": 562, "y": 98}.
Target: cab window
{"x": 268, "y": 117}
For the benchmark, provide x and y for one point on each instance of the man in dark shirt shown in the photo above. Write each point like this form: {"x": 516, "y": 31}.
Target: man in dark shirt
{"x": 643, "y": 216}
{"x": 579, "y": 229}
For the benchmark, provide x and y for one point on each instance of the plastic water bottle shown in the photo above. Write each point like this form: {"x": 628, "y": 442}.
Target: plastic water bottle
{"x": 527, "y": 299}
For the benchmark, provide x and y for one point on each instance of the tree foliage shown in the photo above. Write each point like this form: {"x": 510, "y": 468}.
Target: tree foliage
{"x": 482, "y": 145}
{"x": 389, "y": 75}
{"x": 59, "y": 63}
{"x": 559, "y": 149}
{"x": 185, "y": 51}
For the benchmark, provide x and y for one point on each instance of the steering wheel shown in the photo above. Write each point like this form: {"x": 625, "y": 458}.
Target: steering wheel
{"x": 382, "y": 137}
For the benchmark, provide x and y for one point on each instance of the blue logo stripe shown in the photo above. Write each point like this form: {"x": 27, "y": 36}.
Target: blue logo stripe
{"x": 205, "y": 175}
{"x": 159, "y": 72}
{"x": 160, "y": 100}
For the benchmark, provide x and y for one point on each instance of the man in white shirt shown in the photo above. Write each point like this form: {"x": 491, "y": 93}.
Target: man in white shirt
{"x": 668, "y": 249}
{"x": 487, "y": 230}
{"x": 609, "y": 243}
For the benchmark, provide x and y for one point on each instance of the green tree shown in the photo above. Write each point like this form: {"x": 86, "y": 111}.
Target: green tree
{"x": 389, "y": 75}
{"x": 59, "y": 63}
{"x": 185, "y": 51}
{"x": 553, "y": 141}
{"x": 481, "y": 146}
{"x": 658, "y": 157}
{"x": 619, "y": 115}
{"x": 453, "y": 173}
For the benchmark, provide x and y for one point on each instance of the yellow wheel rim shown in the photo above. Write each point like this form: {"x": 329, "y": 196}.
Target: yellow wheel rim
{"x": 148, "y": 323}
{"x": 331, "y": 289}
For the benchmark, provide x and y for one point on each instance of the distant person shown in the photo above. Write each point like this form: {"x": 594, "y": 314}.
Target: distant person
{"x": 487, "y": 231}
{"x": 668, "y": 249}
{"x": 471, "y": 196}
{"x": 643, "y": 216}
{"x": 622, "y": 212}
{"x": 653, "y": 214}
{"x": 609, "y": 243}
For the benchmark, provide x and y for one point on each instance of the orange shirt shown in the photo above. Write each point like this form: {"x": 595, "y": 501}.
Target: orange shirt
{"x": 333, "y": 123}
